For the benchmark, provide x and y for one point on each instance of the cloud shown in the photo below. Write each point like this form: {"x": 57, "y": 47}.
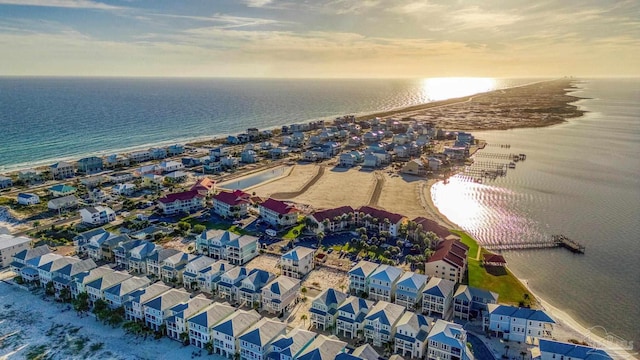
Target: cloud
{"x": 476, "y": 18}
{"x": 74, "y": 4}
{"x": 412, "y": 7}
{"x": 257, "y": 3}
{"x": 226, "y": 21}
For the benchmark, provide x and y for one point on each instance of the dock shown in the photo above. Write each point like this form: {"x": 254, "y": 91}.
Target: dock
{"x": 555, "y": 242}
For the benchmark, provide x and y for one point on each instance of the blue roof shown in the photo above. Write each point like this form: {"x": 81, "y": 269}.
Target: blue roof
{"x": 386, "y": 273}
{"x": 520, "y": 313}
{"x": 573, "y": 350}
{"x": 62, "y": 188}
{"x": 225, "y": 328}
{"x": 155, "y": 303}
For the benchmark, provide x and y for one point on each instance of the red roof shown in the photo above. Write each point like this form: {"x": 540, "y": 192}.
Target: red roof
{"x": 205, "y": 184}
{"x": 182, "y": 196}
{"x": 236, "y": 197}
{"x": 451, "y": 251}
{"x": 381, "y": 214}
{"x": 431, "y": 225}
{"x": 320, "y": 216}
{"x": 278, "y": 206}
{"x": 494, "y": 258}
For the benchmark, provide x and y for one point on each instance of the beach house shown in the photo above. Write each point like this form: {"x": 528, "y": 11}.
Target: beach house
{"x": 513, "y": 323}
{"x": 449, "y": 261}
{"x": 231, "y": 203}
{"x": 201, "y": 325}
{"x": 102, "y": 247}
{"x": 155, "y": 259}
{"x": 80, "y": 280}
{"x": 133, "y": 306}
{"x": 351, "y": 314}
{"x": 411, "y": 335}
{"x": 414, "y": 167}
{"x": 556, "y": 350}
{"x": 90, "y": 165}
{"x": 11, "y": 245}
{"x": 380, "y": 322}
{"x": 62, "y": 170}
{"x": 230, "y": 283}
{"x": 20, "y": 258}
{"x": 380, "y": 220}
{"x": 64, "y": 276}
{"x": 324, "y": 308}
{"x": 170, "y": 166}
{"x": 359, "y": 277}
{"x": 29, "y": 176}
{"x": 332, "y": 220}
{"x": 5, "y": 182}
{"x": 185, "y": 202}
{"x": 278, "y": 213}
{"x": 322, "y": 348}
{"x": 97, "y": 215}
{"x": 178, "y": 316}
{"x": 47, "y": 270}
{"x": 140, "y": 156}
{"x": 287, "y": 346}
{"x": 256, "y": 341}
{"x": 125, "y": 189}
{"x": 61, "y": 190}
{"x": 241, "y": 249}
{"x": 469, "y": 302}
{"x": 448, "y": 340}
{"x": 62, "y": 203}
{"x": 280, "y": 294}
{"x": 204, "y": 186}
{"x": 213, "y": 243}
{"x": 209, "y": 277}
{"x": 297, "y": 262}
{"x": 158, "y": 153}
{"x": 156, "y": 310}
{"x": 137, "y": 256}
{"x": 227, "y": 332}
{"x": 30, "y": 272}
{"x": 173, "y": 266}
{"x": 382, "y": 282}
{"x": 250, "y": 288}
{"x": 192, "y": 271}
{"x": 96, "y": 288}
{"x": 409, "y": 290}
{"x": 437, "y": 297}
{"x": 117, "y": 294}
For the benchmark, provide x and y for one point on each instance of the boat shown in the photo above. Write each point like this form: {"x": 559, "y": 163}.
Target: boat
{"x": 512, "y": 165}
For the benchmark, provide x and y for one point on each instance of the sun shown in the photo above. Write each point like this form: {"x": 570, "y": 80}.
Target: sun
{"x": 434, "y": 89}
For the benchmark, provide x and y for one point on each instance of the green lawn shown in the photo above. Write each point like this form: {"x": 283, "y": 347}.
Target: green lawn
{"x": 294, "y": 232}
{"x": 510, "y": 289}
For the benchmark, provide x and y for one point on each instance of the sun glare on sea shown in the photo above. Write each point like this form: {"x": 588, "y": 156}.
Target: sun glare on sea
{"x": 435, "y": 89}
{"x": 456, "y": 199}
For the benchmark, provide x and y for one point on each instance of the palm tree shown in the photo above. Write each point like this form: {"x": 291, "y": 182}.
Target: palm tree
{"x": 304, "y": 319}
{"x": 506, "y": 351}
{"x": 320, "y": 236}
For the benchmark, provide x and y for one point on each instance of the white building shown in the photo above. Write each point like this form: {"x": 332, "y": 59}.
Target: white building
{"x": 97, "y": 215}
{"x": 11, "y": 245}
{"x": 278, "y": 213}
{"x": 280, "y": 294}
{"x": 298, "y": 262}
{"x": 513, "y": 323}
{"x": 448, "y": 341}
{"x": 28, "y": 199}
{"x": 201, "y": 325}
{"x": 185, "y": 202}
{"x": 226, "y": 333}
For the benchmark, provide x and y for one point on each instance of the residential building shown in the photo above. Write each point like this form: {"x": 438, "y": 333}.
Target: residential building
{"x": 380, "y": 322}
{"x": 96, "y": 288}
{"x": 11, "y": 245}
{"x": 333, "y": 220}
{"x": 351, "y": 315}
{"x": 61, "y": 190}
{"x": 116, "y": 161}
{"x": 380, "y": 220}
{"x": 287, "y": 346}
{"x": 156, "y": 310}
{"x": 64, "y": 276}
{"x": 170, "y": 166}
{"x": 231, "y": 204}
{"x": 250, "y": 288}
{"x": 409, "y": 290}
{"x": 140, "y": 156}
{"x": 173, "y": 267}
{"x": 382, "y": 282}
{"x": 177, "y": 177}
{"x": 193, "y": 269}
{"x": 81, "y": 280}
{"x": 256, "y": 341}
{"x": 324, "y": 308}
{"x": 469, "y": 302}
{"x": 29, "y": 176}
{"x": 137, "y": 256}
{"x": 126, "y": 189}
{"x": 155, "y": 259}
{"x": 213, "y": 243}
{"x": 555, "y": 350}
{"x": 121, "y": 177}
{"x": 133, "y": 306}
{"x": 449, "y": 261}
{"x": 46, "y": 271}
{"x": 30, "y": 272}
{"x": 102, "y": 246}
{"x": 513, "y": 323}
{"x": 230, "y": 283}
{"x": 278, "y": 213}
{"x": 280, "y": 294}
{"x": 414, "y": 167}
{"x": 241, "y": 249}
{"x": 89, "y": 165}
{"x": 28, "y": 199}
{"x": 21, "y": 257}
{"x": 178, "y": 316}
{"x": 359, "y": 277}
{"x": 175, "y": 149}
{"x": 411, "y": 335}
{"x": 437, "y": 297}
{"x": 448, "y": 341}
{"x": 5, "y": 182}
{"x": 158, "y": 153}
{"x": 226, "y": 333}
{"x": 204, "y": 186}
{"x": 185, "y": 202}
{"x": 97, "y": 215}
{"x": 201, "y": 325}
{"x": 63, "y": 203}
{"x": 209, "y": 277}
{"x": 297, "y": 262}
{"x": 116, "y": 295}
{"x": 322, "y": 348}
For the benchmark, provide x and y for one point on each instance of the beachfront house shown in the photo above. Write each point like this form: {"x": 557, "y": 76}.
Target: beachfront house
{"x": 96, "y": 288}
{"x": 116, "y": 161}
{"x": 28, "y": 199}
{"x": 297, "y": 262}
{"x": 182, "y": 202}
{"x": 332, "y": 220}
{"x": 193, "y": 269}
{"x": 170, "y": 166}
{"x": 448, "y": 340}
{"x": 62, "y": 203}
{"x": 322, "y": 348}
{"x": 449, "y": 261}
{"x": 172, "y": 267}
{"x": 11, "y": 245}
{"x": 133, "y": 306}
{"x": 155, "y": 258}
{"x": 97, "y": 215}
{"x": 409, "y": 290}
{"x": 29, "y": 176}
{"x": 158, "y": 153}
{"x": 286, "y": 346}
{"x": 359, "y": 277}
{"x": 380, "y": 322}
{"x": 178, "y": 316}
{"x": 30, "y": 272}
{"x": 209, "y": 277}
{"x": 278, "y": 213}
{"x": 102, "y": 245}
{"x": 46, "y": 271}
{"x": 117, "y": 294}
{"x": 201, "y": 325}
{"x": 5, "y": 182}
{"x": 140, "y": 156}
{"x": 411, "y": 335}
{"x": 227, "y": 332}
{"x": 62, "y": 170}
{"x": 20, "y": 258}
{"x": 175, "y": 149}
{"x": 213, "y": 243}
{"x": 256, "y": 341}
{"x": 280, "y": 294}
{"x": 233, "y": 204}
{"x": 156, "y": 310}
{"x": 469, "y": 302}
{"x": 382, "y": 282}
{"x": 63, "y": 277}
{"x": 250, "y": 288}
{"x": 80, "y": 280}
{"x": 351, "y": 314}
{"x": 437, "y": 297}
{"x": 90, "y": 165}
{"x": 324, "y": 308}
{"x": 61, "y": 190}
{"x": 513, "y": 323}
{"x": 136, "y": 256}
{"x": 555, "y": 350}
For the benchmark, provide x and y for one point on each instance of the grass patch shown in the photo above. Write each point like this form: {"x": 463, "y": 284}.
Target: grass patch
{"x": 510, "y": 289}
{"x": 36, "y": 352}
{"x": 294, "y": 232}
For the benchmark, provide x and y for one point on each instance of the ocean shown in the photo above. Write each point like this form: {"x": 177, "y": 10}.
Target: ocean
{"x": 581, "y": 179}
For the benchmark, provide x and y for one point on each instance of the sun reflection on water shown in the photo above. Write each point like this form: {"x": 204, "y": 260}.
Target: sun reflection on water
{"x": 435, "y": 89}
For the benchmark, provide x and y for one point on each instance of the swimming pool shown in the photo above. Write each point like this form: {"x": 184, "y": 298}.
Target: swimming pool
{"x": 254, "y": 179}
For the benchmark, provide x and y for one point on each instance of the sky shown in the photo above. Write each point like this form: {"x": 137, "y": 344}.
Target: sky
{"x": 320, "y": 38}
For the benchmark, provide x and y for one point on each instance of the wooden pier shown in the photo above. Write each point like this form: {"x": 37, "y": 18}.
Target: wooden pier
{"x": 501, "y": 156}
{"x": 555, "y": 242}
